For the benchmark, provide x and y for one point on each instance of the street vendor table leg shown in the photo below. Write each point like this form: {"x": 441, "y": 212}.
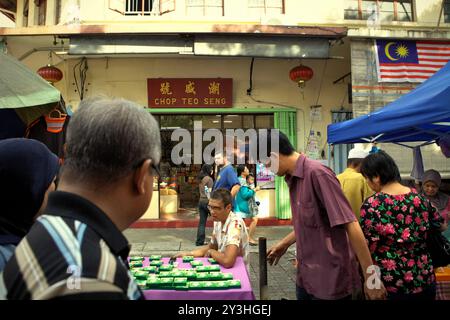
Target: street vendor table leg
{"x": 263, "y": 288}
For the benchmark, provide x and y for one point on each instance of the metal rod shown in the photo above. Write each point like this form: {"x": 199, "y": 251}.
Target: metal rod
{"x": 263, "y": 287}
{"x": 341, "y": 78}
{"x": 440, "y": 14}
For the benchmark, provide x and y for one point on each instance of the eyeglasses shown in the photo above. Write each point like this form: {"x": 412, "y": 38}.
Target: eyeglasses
{"x": 213, "y": 208}
{"x": 155, "y": 168}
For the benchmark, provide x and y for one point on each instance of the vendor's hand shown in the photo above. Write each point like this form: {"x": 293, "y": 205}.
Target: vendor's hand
{"x": 373, "y": 286}
{"x": 208, "y": 253}
{"x": 182, "y": 254}
{"x": 375, "y": 293}
{"x": 275, "y": 253}
{"x": 258, "y": 188}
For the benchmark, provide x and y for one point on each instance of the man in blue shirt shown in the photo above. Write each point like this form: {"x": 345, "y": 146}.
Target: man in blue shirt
{"x": 227, "y": 177}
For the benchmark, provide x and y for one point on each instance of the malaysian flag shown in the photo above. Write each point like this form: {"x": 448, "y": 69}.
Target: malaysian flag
{"x": 410, "y": 61}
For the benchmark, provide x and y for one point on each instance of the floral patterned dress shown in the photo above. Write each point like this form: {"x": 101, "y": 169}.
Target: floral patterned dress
{"x": 395, "y": 228}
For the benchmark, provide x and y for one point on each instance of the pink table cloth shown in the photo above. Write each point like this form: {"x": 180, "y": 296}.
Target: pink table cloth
{"x": 239, "y": 272}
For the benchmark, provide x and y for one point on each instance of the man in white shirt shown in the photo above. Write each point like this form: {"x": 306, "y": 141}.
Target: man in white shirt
{"x": 230, "y": 238}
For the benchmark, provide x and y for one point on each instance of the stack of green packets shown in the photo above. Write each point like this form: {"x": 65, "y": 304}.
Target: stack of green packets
{"x": 167, "y": 277}
{"x": 188, "y": 258}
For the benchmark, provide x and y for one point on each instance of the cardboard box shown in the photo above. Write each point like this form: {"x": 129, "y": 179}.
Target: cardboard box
{"x": 442, "y": 274}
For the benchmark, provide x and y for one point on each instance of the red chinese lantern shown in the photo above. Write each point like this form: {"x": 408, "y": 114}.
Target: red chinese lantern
{"x": 50, "y": 73}
{"x": 301, "y": 74}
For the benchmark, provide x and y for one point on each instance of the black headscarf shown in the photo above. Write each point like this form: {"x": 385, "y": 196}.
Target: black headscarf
{"x": 440, "y": 200}
{"x": 27, "y": 168}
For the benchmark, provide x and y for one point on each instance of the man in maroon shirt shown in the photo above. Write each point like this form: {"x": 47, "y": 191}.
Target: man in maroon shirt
{"x": 326, "y": 232}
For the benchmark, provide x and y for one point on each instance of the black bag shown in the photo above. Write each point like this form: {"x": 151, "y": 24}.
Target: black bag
{"x": 438, "y": 247}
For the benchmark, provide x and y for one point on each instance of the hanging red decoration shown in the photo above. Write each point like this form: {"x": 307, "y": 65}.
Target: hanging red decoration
{"x": 50, "y": 73}
{"x": 301, "y": 74}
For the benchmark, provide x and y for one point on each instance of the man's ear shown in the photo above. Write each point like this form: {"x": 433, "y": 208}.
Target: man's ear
{"x": 141, "y": 175}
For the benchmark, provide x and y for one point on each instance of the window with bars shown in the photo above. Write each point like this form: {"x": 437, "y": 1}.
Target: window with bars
{"x": 389, "y": 10}
{"x": 58, "y": 8}
{"x": 266, "y": 7}
{"x": 139, "y": 7}
{"x": 447, "y": 11}
{"x": 142, "y": 7}
{"x": 42, "y": 11}
{"x": 204, "y": 7}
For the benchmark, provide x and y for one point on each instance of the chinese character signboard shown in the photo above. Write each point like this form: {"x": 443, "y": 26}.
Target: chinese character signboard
{"x": 190, "y": 92}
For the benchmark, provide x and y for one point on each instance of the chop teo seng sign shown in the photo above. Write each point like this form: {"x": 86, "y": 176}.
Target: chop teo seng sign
{"x": 190, "y": 92}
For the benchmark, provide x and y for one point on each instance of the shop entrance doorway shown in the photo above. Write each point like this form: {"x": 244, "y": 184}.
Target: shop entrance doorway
{"x": 178, "y": 184}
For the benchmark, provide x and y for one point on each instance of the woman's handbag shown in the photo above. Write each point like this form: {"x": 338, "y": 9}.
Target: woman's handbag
{"x": 438, "y": 247}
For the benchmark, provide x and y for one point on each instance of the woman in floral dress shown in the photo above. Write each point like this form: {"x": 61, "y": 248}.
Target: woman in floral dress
{"x": 395, "y": 221}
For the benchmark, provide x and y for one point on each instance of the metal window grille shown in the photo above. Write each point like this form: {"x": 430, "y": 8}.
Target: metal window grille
{"x": 389, "y": 10}
{"x": 205, "y": 7}
{"x": 264, "y": 7}
{"x": 139, "y": 7}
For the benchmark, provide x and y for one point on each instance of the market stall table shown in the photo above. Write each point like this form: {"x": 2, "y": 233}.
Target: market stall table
{"x": 443, "y": 283}
{"x": 239, "y": 272}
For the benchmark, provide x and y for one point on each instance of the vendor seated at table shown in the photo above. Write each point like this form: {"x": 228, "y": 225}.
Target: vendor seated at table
{"x": 229, "y": 238}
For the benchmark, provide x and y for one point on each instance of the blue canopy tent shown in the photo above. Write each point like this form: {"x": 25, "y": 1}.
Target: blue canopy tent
{"x": 423, "y": 114}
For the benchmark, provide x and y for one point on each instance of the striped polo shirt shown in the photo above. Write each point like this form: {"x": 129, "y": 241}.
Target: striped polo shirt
{"x": 73, "y": 251}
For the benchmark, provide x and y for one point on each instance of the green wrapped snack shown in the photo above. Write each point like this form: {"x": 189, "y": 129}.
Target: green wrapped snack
{"x": 150, "y": 269}
{"x": 156, "y": 263}
{"x": 212, "y": 261}
{"x": 208, "y": 285}
{"x": 195, "y": 285}
{"x": 134, "y": 264}
{"x": 154, "y": 257}
{"x": 141, "y": 275}
{"x": 134, "y": 270}
{"x": 178, "y": 273}
{"x": 195, "y": 263}
{"x": 202, "y": 268}
{"x": 166, "y": 283}
{"x": 179, "y": 281}
{"x": 202, "y": 276}
{"x": 165, "y": 274}
{"x": 215, "y": 276}
{"x": 213, "y": 268}
{"x": 141, "y": 284}
{"x": 136, "y": 258}
{"x": 166, "y": 267}
{"x": 221, "y": 285}
{"x": 227, "y": 276}
{"x": 191, "y": 274}
{"x": 188, "y": 258}
{"x": 153, "y": 283}
{"x": 234, "y": 283}
{"x": 183, "y": 288}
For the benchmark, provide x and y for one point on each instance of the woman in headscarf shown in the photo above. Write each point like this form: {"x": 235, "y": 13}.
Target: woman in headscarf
{"x": 27, "y": 174}
{"x": 431, "y": 182}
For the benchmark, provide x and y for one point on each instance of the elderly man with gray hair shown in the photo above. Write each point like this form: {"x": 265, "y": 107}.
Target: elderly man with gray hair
{"x": 76, "y": 249}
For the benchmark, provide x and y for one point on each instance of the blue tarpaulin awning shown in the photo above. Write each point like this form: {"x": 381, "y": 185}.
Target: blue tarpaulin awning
{"x": 423, "y": 114}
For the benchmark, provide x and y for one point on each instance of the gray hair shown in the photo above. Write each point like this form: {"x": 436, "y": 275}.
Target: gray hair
{"x": 108, "y": 138}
